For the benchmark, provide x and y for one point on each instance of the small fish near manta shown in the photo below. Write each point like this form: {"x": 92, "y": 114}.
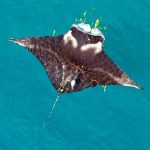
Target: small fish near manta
{"x": 76, "y": 60}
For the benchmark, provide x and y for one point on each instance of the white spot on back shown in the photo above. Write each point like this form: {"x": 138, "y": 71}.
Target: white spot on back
{"x": 73, "y": 82}
{"x": 69, "y": 37}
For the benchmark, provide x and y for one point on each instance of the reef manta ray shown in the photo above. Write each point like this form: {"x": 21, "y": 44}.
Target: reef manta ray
{"x": 76, "y": 60}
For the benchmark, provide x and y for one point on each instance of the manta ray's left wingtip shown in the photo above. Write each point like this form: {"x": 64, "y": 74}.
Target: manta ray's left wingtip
{"x": 25, "y": 42}
{"x": 12, "y": 40}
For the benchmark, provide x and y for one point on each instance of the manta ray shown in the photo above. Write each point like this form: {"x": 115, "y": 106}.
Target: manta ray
{"x": 76, "y": 60}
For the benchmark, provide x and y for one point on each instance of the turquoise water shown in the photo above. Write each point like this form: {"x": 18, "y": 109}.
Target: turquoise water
{"x": 88, "y": 120}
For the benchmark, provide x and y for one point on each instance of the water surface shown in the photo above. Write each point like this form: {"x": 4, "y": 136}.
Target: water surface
{"x": 88, "y": 120}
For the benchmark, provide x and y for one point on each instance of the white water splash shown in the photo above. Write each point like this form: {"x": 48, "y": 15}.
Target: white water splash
{"x": 52, "y": 109}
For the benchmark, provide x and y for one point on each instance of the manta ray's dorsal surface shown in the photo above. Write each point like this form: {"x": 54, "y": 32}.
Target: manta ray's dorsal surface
{"x": 76, "y": 60}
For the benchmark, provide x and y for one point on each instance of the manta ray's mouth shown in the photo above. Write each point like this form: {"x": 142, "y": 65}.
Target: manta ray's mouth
{"x": 86, "y": 28}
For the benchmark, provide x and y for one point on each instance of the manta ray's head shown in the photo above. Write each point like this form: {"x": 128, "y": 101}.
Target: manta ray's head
{"x": 84, "y": 34}
{"x": 93, "y": 33}
{"x": 84, "y": 38}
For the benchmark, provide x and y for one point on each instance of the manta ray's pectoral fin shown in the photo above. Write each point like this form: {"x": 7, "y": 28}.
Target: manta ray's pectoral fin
{"x": 39, "y": 46}
{"x": 108, "y": 73}
{"x": 64, "y": 77}
{"x": 42, "y": 48}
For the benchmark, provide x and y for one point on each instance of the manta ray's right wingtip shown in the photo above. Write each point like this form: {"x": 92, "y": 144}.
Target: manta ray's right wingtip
{"x": 140, "y": 87}
{"x": 134, "y": 85}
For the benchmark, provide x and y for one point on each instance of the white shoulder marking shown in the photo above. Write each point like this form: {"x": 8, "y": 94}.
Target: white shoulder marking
{"x": 97, "y": 47}
{"x": 69, "y": 37}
